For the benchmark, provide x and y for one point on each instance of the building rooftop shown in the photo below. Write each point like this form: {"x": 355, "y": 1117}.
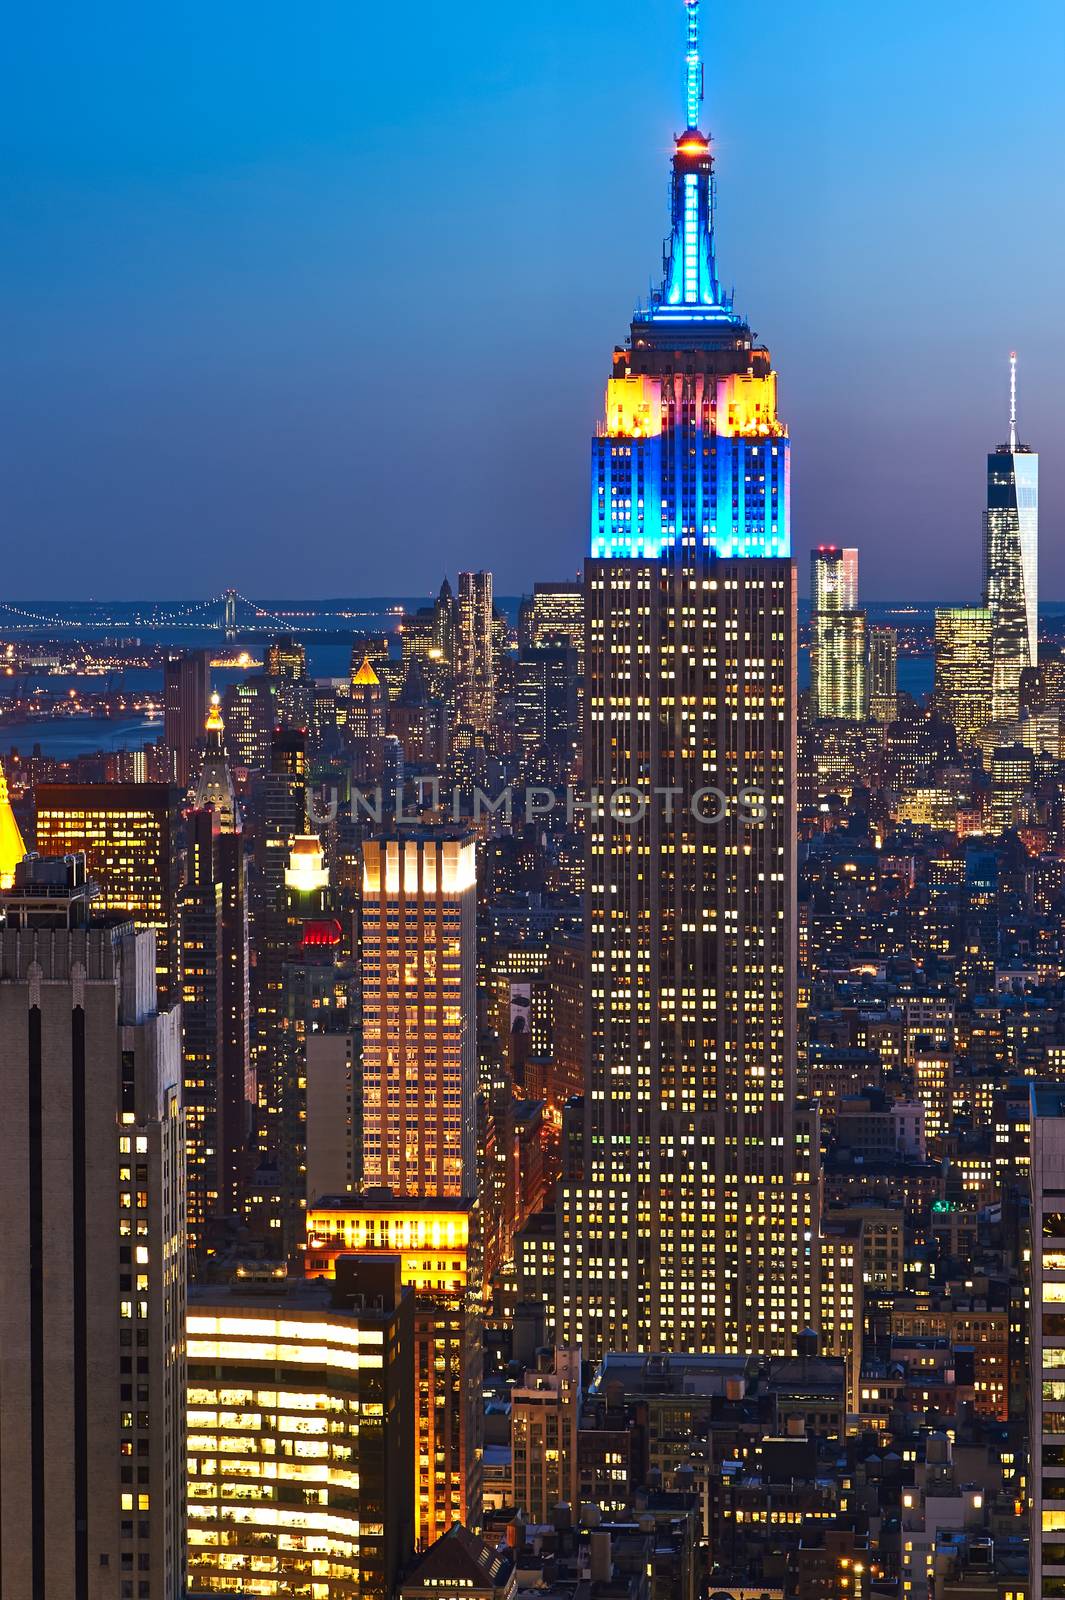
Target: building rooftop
{"x": 1048, "y": 1100}
{"x": 385, "y": 1200}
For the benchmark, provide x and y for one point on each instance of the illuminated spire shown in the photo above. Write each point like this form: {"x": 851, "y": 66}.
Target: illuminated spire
{"x": 215, "y": 787}
{"x": 691, "y": 294}
{"x": 694, "y": 65}
{"x": 1013, "y": 402}
{"x": 12, "y": 848}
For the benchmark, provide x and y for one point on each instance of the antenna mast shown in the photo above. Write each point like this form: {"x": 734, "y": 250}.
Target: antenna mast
{"x": 1013, "y": 402}
{"x": 694, "y": 65}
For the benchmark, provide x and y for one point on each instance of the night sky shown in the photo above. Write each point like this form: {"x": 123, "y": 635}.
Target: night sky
{"x": 319, "y": 298}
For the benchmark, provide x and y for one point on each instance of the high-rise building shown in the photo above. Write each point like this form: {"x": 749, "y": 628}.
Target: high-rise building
{"x": 251, "y": 712}
{"x": 92, "y": 1252}
{"x": 1011, "y": 562}
{"x": 553, "y": 615}
{"x": 438, "y": 1242}
{"x": 834, "y": 579}
{"x": 286, "y": 658}
{"x": 366, "y": 721}
{"x": 964, "y": 670}
{"x": 693, "y": 1225}
{"x": 545, "y": 1411}
{"x": 475, "y": 683}
{"x": 302, "y": 1393}
{"x": 419, "y": 1013}
{"x": 213, "y": 923}
{"x": 838, "y": 641}
{"x": 1046, "y": 1341}
{"x": 1012, "y": 777}
{"x": 186, "y": 688}
{"x": 128, "y": 834}
{"x": 883, "y": 674}
{"x": 545, "y": 701}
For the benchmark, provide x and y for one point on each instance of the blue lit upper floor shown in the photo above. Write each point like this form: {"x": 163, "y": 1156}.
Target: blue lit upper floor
{"x": 685, "y": 489}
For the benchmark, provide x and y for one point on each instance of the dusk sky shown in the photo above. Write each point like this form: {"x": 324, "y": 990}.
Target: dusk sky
{"x": 319, "y": 299}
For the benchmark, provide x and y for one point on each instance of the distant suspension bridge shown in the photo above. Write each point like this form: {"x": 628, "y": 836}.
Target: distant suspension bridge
{"x": 230, "y": 613}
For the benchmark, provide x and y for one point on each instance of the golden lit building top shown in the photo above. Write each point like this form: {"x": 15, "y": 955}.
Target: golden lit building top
{"x": 366, "y": 677}
{"x": 449, "y": 867}
{"x": 431, "y": 1237}
{"x": 12, "y": 848}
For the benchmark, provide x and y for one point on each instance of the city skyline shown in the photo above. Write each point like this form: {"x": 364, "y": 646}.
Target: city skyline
{"x": 544, "y": 1098}
{"x": 194, "y": 259}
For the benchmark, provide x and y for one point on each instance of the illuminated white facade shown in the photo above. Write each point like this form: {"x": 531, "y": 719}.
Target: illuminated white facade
{"x": 300, "y": 1438}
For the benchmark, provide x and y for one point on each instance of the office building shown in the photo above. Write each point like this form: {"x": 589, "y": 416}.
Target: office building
{"x": 545, "y": 1410}
{"x": 438, "y": 1244}
{"x": 334, "y": 1113}
{"x": 475, "y": 654}
{"x": 419, "y": 1013}
{"x": 1012, "y": 778}
{"x": 186, "y": 689}
{"x": 1046, "y": 1342}
{"x": 251, "y": 711}
{"x": 833, "y": 579}
{"x": 1011, "y": 562}
{"x": 883, "y": 674}
{"x": 838, "y": 637}
{"x": 286, "y": 658}
{"x": 693, "y": 1224}
{"x": 218, "y": 1090}
{"x": 301, "y": 1433}
{"x": 964, "y": 670}
{"x": 128, "y": 835}
{"x": 92, "y": 1253}
{"x": 553, "y": 615}
{"x": 545, "y": 703}
{"x": 366, "y": 721}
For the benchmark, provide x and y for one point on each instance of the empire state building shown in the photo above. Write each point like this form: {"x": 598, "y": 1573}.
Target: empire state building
{"x": 693, "y": 1222}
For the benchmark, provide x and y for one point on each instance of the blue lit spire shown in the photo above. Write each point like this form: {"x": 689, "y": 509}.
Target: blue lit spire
{"x": 694, "y": 65}
{"x": 691, "y": 292}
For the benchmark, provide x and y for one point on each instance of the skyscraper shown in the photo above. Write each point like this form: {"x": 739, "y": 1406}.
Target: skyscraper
{"x": 838, "y": 643}
{"x": 438, "y": 1242}
{"x": 693, "y": 1225}
{"x": 419, "y": 1014}
{"x": 128, "y": 833}
{"x": 213, "y": 924}
{"x": 366, "y": 721}
{"x": 306, "y": 1389}
{"x": 883, "y": 674}
{"x": 964, "y": 670}
{"x": 1011, "y": 562}
{"x": 92, "y": 1252}
{"x": 1046, "y": 1414}
{"x": 186, "y": 687}
{"x": 475, "y": 653}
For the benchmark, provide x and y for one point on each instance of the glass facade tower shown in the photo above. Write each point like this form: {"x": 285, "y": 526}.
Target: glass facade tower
{"x": 1011, "y": 562}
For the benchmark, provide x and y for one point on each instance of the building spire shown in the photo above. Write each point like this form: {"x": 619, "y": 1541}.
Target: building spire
{"x": 1013, "y": 402}
{"x": 694, "y": 65}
